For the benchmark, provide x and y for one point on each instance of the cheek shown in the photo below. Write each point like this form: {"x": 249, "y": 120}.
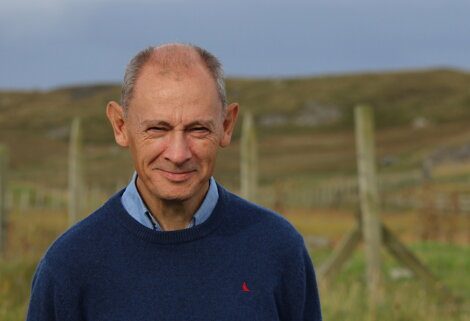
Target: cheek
{"x": 203, "y": 150}
{"x": 146, "y": 151}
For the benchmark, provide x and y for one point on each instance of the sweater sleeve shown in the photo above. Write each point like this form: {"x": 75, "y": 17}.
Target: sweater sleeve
{"x": 48, "y": 301}
{"x": 312, "y": 310}
{"x": 299, "y": 298}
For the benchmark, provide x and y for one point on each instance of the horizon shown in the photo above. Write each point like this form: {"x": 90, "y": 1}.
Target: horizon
{"x": 51, "y": 43}
{"x": 241, "y": 77}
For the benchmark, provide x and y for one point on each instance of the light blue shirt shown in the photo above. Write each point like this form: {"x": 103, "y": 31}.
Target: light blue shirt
{"x": 135, "y": 206}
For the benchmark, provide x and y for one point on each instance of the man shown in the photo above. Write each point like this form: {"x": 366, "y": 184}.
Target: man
{"x": 175, "y": 245}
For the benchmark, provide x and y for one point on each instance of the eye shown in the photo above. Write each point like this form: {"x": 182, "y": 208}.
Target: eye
{"x": 156, "y": 131}
{"x": 199, "y": 129}
{"x": 157, "y": 128}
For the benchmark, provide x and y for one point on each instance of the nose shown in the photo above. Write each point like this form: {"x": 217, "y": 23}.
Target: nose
{"x": 177, "y": 150}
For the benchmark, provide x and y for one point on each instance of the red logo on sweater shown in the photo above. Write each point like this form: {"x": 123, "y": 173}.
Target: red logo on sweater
{"x": 245, "y": 287}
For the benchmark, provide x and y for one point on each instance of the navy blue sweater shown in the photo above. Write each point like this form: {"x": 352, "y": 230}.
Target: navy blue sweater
{"x": 243, "y": 263}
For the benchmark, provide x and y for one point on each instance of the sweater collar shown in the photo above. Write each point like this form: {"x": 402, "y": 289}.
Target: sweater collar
{"x": 114, "y": 208}
{"x": 136, "y": 207}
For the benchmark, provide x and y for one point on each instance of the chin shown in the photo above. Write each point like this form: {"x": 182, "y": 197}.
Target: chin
{"x": 174, "y": 192}
{"x": 174, "y": 195}
{"x": 165, "y": 188}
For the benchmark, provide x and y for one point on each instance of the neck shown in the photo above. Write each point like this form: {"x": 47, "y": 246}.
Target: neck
{"x": 171, "y": 215}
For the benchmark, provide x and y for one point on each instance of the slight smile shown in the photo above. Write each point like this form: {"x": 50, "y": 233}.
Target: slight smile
{"x": 177, "y": 176}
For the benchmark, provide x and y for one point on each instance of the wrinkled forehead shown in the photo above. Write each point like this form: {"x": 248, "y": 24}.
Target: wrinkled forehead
{"x": 173, "y": 74}
{"x": 154, "y": 77}
{"x": 190, "y": 91}
{"x": 175, "y": 62}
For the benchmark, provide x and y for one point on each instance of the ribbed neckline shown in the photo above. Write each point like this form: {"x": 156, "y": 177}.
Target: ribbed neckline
{"x": 113, "y": 207}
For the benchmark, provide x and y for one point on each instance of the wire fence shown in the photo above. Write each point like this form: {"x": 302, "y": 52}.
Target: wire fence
{"x": 401, "y": 192}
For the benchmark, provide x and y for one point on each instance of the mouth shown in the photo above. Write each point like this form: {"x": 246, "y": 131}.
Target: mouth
{"x": 177, "y": 176}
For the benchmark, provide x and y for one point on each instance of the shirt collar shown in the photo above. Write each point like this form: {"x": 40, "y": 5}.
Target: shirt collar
{"x": 135, "y": 206}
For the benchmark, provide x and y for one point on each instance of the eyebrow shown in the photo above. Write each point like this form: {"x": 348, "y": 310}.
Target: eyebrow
{"x": 205, "y": 123}
{"x": 151, "y": 123}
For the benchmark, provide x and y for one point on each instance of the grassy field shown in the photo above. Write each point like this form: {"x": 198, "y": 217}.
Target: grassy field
{"x": 344, "y": 299}
{"x": 305, "y": 125}
{"x": 306, "y": 141}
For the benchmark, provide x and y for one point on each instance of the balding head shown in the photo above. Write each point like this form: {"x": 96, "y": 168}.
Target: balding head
{"x": 172, "y": 59}
{"x": 175, "y": 57}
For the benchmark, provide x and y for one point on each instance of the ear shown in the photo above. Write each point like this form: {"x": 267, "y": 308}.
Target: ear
{"x": 230, "y": 119}
{"x": 116, "y": 117}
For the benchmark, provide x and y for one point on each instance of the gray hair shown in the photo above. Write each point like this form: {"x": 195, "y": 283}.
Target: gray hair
{"x": 136, "y": 64}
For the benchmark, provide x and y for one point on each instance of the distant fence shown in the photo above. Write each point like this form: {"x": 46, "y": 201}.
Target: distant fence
{"x": 22, "y": 200}
{"x": 336, "y": 193}
{"x": 344, "y": 196}
{"x": 344, "y": 193}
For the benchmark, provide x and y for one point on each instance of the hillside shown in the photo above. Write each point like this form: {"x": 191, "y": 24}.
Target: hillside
{"x": 305, "y": 125}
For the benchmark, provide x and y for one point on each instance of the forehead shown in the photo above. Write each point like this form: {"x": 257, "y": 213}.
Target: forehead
{"x": 155, "y": 72}
{"x": 171, "y": 90}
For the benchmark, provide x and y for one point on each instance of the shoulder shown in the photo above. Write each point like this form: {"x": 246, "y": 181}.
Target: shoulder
{"x": 261, "y": 221}
{"x": 81, "y": 243}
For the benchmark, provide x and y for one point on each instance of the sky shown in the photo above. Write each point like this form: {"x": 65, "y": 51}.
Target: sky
{"x": 46, "y": 44}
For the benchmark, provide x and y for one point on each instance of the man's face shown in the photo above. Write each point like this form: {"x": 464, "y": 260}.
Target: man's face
{"x": 174, "y": 126}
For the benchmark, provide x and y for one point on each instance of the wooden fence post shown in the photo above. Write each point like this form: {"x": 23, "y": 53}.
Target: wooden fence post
{"x": 75, "y": 172}
{"x": 249, "y": 158}
{"x": 369, "y": 199}
{"x": 3, "y": 194}
{"x": 373, "y": 232}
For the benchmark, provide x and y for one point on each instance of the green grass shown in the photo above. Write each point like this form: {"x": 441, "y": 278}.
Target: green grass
{"x": 405, "y": 299}
{"x": 35, "y": 127}
{"x": 15, "y": 283}
{"x": 343, "y": 299}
